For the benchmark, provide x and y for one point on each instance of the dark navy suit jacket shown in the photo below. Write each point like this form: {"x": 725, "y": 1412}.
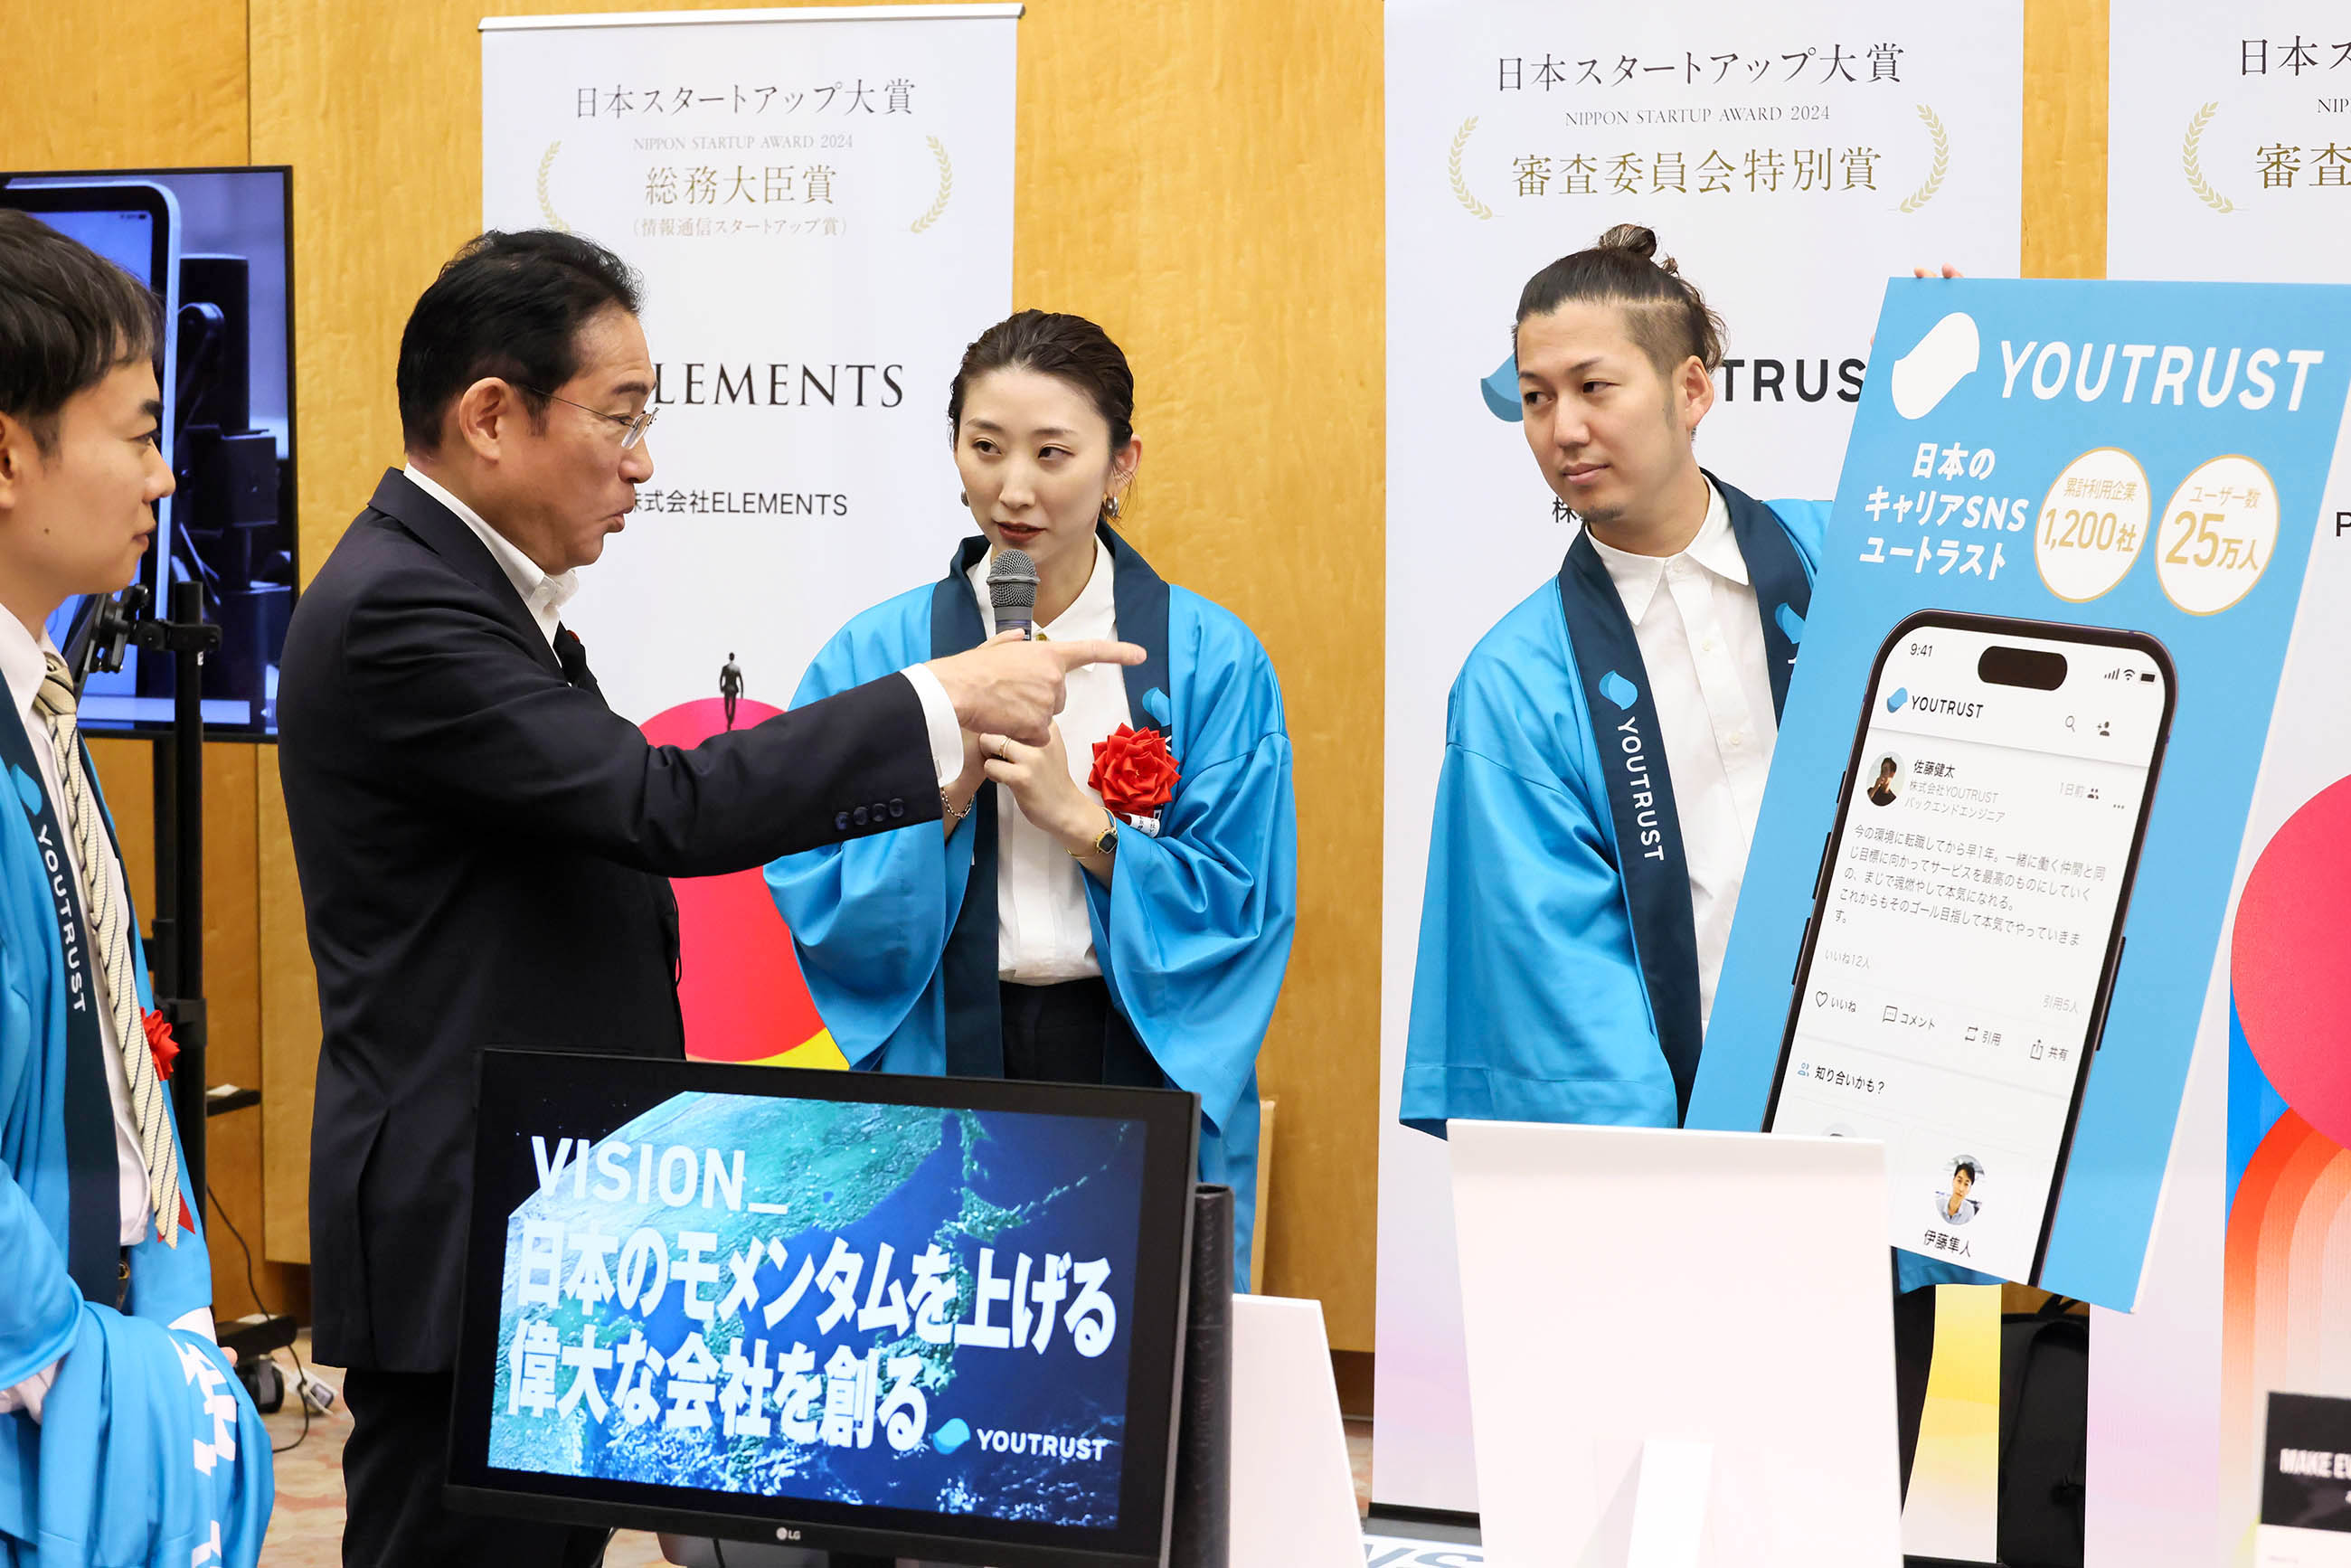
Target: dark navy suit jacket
{"x": 484, "y": 847}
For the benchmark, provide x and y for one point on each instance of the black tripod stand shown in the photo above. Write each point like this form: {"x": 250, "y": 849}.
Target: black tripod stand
{"x": 175, "y": 944}
{"x": 175, "y": 947}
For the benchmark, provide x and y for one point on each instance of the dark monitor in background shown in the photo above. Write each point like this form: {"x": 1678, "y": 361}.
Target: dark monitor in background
{"x": 924, "y": 1317}
{"x": 216, "y": 244}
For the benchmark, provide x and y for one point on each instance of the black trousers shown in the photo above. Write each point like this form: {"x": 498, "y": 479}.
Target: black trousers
{"x": 393, "y": 1467}
{"x": 1053, "y": 1034}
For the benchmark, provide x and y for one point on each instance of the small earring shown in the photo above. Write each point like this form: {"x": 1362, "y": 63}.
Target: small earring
{"x": 1109, "y": 508}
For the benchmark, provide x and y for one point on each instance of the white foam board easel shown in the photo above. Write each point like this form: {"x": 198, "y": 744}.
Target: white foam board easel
{"x": 1293, "y": 1491}
{"x": 1720, "y": 1301}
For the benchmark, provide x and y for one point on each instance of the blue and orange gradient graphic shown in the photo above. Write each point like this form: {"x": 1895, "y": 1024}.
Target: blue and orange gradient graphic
{"x": 2287, "y": 1291}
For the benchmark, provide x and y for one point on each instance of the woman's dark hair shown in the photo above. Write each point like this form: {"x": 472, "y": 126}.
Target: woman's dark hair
{"x": 510, "y": 306}
{"x": 1668, "y": 315}
{"x": 1067, "y": 347}
{"x": 68, "y": 319}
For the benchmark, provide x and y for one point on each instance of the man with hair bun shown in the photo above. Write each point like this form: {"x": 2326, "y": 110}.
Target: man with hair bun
{"x": 1607, "y": 742}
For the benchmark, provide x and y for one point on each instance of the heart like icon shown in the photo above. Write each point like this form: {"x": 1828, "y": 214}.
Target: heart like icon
{"x": 1901, "y": 694}
{"x": 1820, "y": 999}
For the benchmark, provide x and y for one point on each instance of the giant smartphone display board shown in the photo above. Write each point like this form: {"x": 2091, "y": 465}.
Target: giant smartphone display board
{"x": 2020, "y": 741}
{"x": 2077, "y": 714}
{"x": 924, "y": 1317}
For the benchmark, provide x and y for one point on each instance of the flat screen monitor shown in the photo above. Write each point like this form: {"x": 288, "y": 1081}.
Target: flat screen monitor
{"x": 925, "y": 1317}
{"x": 215, "y": 246}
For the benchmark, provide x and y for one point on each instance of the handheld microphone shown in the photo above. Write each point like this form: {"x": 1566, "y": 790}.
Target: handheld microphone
{"x": 1012, "y": 591}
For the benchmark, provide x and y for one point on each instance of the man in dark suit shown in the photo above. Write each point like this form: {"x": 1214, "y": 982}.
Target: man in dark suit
{"x": 485, "y": 846}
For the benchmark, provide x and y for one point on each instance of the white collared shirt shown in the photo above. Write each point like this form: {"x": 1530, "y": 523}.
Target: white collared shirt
{"x": 544, "y": 597}
{"x": 1702, "y": 643}
{"x": 1042, "y": 935}
{"x": 23, "y": 661}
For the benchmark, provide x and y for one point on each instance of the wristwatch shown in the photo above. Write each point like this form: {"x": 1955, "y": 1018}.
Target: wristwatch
{"x": 1105, "y": 843}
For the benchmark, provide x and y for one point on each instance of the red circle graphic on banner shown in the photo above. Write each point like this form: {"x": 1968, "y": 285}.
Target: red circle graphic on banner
{"x": 2287, "y": 969}
{"x": 740, "y": 982}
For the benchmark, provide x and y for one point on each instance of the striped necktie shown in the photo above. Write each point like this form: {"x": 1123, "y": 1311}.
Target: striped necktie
{"x": 109, "y": 930}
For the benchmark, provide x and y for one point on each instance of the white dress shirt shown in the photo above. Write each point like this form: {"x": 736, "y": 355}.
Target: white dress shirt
{"x": 1042, "y": 935}
{"x": 542, "y": 595}
{"x": 1702, "y": 643}
{"x": 546, "y": 596}
{"x": 23, "y": 661}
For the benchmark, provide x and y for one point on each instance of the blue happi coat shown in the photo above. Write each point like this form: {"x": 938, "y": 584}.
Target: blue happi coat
{"x": 148, "y": 1454}
{"x": 1557, "y": 978}
{"x": 897, "y": 933}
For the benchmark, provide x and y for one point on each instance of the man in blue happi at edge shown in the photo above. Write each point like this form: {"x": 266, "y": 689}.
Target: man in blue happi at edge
{"x": 1606, "y": 742}
{"x": 1056, "y": 929}
{"x": 124, "y": 1438}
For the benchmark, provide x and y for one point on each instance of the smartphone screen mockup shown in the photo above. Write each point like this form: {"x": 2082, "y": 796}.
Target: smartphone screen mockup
{"x": 1968, "y": 920}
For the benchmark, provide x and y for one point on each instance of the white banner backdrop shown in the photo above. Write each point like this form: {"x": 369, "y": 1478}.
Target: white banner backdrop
{"x": 1790, "y": 159}
{"x": 2228, "y": 141}
{"x": 2228, "y": 158}
{"x": 821, "y": 202}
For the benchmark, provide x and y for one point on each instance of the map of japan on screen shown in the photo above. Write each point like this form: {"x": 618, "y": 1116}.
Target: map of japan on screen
{"x": 890, "y": 1306}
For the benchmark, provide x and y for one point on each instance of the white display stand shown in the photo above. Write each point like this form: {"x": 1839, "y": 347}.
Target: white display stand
{"x": 1293, "y": 1494}
{"x": 1719, "y": 1300}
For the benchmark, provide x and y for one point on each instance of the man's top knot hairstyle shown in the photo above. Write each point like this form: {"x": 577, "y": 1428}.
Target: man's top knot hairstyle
{"x": 1668, "y": 316}
{"x": 1070, "y": 348}
{"x": 509, "y": 305}
{"x": 68, "y": 319}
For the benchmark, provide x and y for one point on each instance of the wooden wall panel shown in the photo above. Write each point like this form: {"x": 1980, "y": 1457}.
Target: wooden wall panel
{"x": 1205, "y": 179}
{"x": 122, "y": 83}
{"x": 289, "y": 1030}
{"x": 2065, "y": 138}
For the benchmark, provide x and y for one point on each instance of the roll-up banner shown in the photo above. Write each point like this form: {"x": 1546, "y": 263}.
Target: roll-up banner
{"x": 1790, "y": 161}
{"x": 820, "y": 202}
{"x": 2229, "y": 156}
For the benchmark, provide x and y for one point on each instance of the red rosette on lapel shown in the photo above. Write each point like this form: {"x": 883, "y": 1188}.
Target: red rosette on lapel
{"x": 160, "y": 1044}
{"x": 1133, "y": 772}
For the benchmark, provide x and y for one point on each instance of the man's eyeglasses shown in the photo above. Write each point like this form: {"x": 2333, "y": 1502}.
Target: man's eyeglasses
{"x": 633, "y": 426}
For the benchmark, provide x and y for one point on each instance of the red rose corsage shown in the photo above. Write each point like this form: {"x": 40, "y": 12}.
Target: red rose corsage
{"x": 1133, "y": 772}
{"x": 160, "y": 1044}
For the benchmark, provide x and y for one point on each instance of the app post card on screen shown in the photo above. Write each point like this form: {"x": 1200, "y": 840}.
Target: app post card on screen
{"x": 2008, "y": 796}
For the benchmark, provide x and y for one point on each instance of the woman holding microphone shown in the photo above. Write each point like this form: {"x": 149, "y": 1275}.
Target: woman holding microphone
{"x": 1115, "y": 906}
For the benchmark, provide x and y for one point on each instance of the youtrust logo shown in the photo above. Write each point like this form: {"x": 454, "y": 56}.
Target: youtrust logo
{"x": 1043, "y": 1444}
{"x": 1944, "y": 358}
{"x": 1948, "y": 708}
{"x": 1624, "y": 693}
{"x": 2055, "y": 365}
